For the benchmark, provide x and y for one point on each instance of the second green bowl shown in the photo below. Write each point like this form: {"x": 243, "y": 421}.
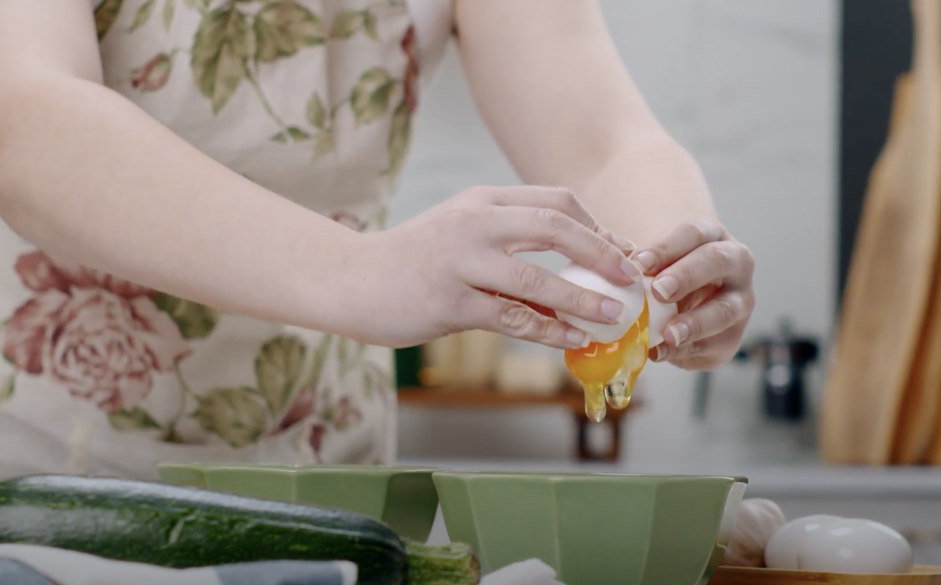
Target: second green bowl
{"x": 595, "y": 529}
{"x": 404, "y": 498}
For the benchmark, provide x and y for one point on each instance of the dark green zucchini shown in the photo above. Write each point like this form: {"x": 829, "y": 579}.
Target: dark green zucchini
{"x": 183, "y": 527}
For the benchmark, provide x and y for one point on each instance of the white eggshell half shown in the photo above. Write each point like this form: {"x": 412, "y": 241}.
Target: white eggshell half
{"x": 781, "y": 551}
{"x": 855, "y": 546}
{"x": 660, "y": 314}
{"x": 632, "y": 297}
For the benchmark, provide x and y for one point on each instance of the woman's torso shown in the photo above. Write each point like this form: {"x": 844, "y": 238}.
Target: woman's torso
{"x": 312, "y": 99}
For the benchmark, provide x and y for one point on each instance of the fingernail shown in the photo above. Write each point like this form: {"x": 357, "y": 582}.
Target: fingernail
{"x": 624, "y": 244}
{"x": 611, "y": 308}
{"x": 680, "y": 332}
{"x": 576, "y": 338}
{"x": 659, "y": 353}
{"x": 647, "y": 260}
{"x": 630, "y": 269}
{"x": 666, "y": 286}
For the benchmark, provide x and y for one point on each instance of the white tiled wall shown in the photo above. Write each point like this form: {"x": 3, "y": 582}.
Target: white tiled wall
{"x": 750, "y": 87}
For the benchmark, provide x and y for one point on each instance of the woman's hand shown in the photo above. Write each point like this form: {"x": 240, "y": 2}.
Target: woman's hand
{"x": 437, "y": 273}
{"x": 703, "y": 269}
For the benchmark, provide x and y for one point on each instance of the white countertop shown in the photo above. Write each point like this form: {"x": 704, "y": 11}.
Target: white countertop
{"x": 805, "y": 480}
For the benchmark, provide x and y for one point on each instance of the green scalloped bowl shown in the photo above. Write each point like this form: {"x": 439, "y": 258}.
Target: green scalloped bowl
{"x": 404, "y": 498}
{"x": 595, "y": 528}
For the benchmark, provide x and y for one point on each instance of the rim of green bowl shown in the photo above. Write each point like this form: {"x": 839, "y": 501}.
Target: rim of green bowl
{"x": 582, "y": 475}
{"x": 229, "y": 466}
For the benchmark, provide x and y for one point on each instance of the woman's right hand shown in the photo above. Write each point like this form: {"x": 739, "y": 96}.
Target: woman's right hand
{"x": 436, "y": 274}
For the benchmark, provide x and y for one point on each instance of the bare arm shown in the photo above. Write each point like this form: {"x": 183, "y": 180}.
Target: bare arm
{"x": 552, "y": 88}
{"x": 88, "y": 177}
{"x": 550, "y": 84}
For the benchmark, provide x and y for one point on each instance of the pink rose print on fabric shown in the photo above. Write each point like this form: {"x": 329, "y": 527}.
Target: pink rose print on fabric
{"x": 316, "y": 439}
{"x": 340, "y": 416}
{"x": 39, "y": 273}
{"x": 347, "y": 414}
{"x": 412, "y": 71}
{"x": 154, "y": 74}
{"x": 301, "y": 407}
{"x": 25, "y": 334}
{"x": 332, "y": 418}
{"x": 101, "y": 337}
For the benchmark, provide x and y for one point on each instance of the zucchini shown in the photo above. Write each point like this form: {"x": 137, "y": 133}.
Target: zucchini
{"x": 183, "y": 527}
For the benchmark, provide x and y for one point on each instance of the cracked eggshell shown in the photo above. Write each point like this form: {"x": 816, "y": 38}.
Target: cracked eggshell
{"x": 632, "y": 297}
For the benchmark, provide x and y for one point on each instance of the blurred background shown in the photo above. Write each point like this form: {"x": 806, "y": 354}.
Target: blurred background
{"x": 786, "y": 105}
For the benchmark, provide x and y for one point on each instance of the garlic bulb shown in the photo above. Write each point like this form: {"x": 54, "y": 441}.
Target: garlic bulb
{"x": 755, "y": 524}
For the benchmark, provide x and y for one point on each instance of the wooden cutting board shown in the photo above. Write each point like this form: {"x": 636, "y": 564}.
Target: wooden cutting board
{"x": 934, "y": 451}
{"x": 891, "y": 272}
{"x": 742, "y": 576}
{"x": 919, "y": 410}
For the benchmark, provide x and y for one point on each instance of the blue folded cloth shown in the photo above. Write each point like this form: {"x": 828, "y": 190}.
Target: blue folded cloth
{"x": 281, "y": 573}
{"x": 16, "y": 572}
{"x": 38, "y": 565}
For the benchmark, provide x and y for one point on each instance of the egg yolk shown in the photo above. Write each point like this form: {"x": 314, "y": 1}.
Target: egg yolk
{"x": 608, "y": 371}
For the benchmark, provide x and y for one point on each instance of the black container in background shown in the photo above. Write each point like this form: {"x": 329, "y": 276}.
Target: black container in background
{"x": 784, "y": 359}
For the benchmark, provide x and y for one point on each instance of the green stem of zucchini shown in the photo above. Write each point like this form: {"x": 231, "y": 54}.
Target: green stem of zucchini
{"x": 452, "y": 564}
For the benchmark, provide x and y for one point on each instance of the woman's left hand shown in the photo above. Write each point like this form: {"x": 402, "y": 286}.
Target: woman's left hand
{"x": 708, "y": 273}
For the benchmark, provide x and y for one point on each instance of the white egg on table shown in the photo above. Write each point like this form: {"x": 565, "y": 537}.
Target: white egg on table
{"x": 756, "y": 522}
{"x": 855, "y": 546}
{"x": 631, "y": 296}
{"x": 781, "y": 551}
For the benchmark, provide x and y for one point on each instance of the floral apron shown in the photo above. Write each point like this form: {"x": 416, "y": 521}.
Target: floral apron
{"x": 312, "y": 99}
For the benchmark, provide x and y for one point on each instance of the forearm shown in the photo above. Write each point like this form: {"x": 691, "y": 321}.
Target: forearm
{"x": 89, "y": 178}
{"x": 550, "y": 83}
{"x": 646, "y": 187}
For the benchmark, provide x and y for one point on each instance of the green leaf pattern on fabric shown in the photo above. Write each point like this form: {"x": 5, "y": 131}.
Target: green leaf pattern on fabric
{"x": 235, "y": 45}
{"x": 291, "y": 134}
{"x": 236, "y": 415}
{"x": 316, "y": 112}
{"x": 347, "y": 24}
{"x": 135, "y": 420}
{"x": 370, "y": 97}
{"x": 400, "y": 139}
{"x": 143, "y": 14}
{"x": 278, "y": 369}
{"x": 169, "y": 9}
{"x": 195, "y": 321}
{"x": 283, "y": 27}
{"x": 105, "y": 15}
{"x": 225, "y": 41}
{"x": 7, "y": 387}
{"x": 230, "y": 39}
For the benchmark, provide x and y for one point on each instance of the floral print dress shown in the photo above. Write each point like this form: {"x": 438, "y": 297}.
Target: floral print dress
{"x": 312, "y": 99}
